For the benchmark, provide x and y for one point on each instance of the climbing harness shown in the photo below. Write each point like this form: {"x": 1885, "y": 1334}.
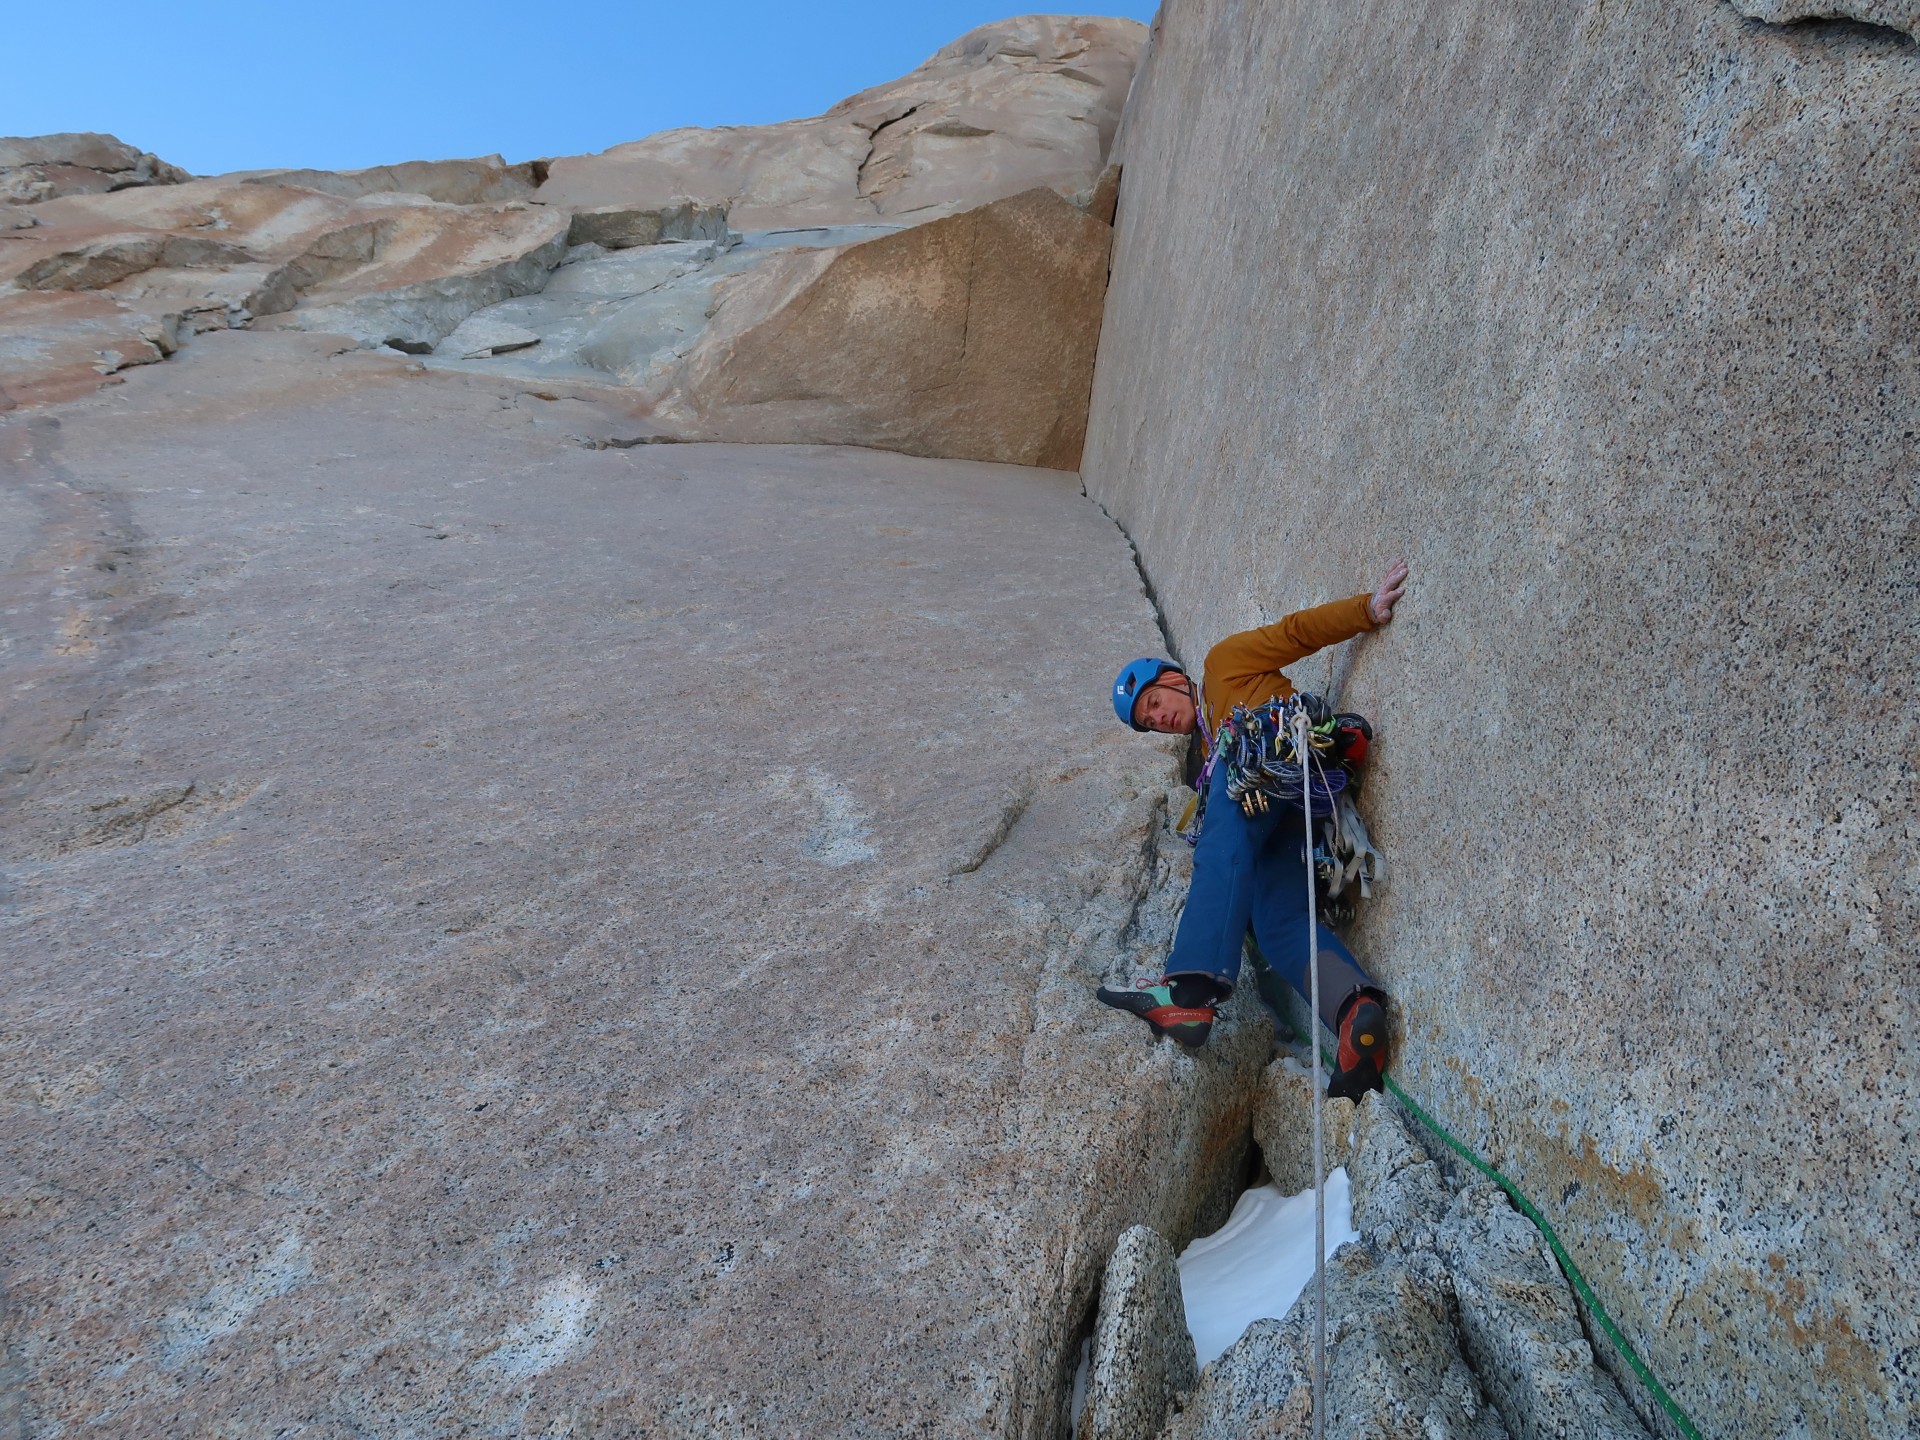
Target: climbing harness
{"x": 1256, "y": 746}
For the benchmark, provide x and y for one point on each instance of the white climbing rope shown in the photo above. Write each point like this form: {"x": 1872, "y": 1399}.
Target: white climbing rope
{"x": 1303, "y": 753}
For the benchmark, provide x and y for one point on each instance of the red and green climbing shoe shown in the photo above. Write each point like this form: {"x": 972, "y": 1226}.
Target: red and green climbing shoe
{"x": 1361, "y": 1060}
{"x": 1186, "y": 1025}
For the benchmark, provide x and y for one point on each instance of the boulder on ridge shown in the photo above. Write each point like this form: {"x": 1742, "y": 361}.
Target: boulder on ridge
{"x": 45, "y": 167}
{"x": 971, "y": 337}
{"x": 621, "y": 227}
{"x": 483, "y": 180}
{"x": 1142, "y": 1356}
{"x": 1283, "y": 1126}
{"x": 383, "y": 267}
{"x": 1008, "y": 106}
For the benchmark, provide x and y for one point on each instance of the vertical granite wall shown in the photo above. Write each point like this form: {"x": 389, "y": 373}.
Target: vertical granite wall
{"x": 1605, "y": 316}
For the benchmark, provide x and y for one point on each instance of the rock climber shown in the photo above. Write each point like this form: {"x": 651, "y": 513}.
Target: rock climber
{"x": 1250, "y": 869}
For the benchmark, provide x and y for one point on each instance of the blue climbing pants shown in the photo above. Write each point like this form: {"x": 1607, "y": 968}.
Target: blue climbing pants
{"x": 1254, "y": 871}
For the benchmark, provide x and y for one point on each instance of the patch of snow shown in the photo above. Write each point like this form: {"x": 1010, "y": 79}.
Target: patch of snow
{"x": 1255, "y": 1266}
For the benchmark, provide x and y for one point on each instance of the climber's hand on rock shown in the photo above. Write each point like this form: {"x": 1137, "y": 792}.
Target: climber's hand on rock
{"x": 1389, "y": 593}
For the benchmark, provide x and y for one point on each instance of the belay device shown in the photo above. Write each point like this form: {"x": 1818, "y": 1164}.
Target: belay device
{"x": 1256, "y": 746}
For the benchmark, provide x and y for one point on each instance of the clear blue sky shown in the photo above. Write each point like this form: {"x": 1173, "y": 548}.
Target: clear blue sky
{"x": 215, "y": 85}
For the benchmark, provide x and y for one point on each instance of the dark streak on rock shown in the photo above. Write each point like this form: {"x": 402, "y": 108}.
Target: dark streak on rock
{"x": 1011, "y": 810}
{"x": 873, "y": 143}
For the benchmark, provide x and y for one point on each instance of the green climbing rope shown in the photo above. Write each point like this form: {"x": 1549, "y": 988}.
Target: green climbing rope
{"x": 1580, "y": 1285}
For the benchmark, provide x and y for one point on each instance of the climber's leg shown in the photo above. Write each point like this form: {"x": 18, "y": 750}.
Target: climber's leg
{"x": 1279, "y": 914}
{"x": 1351, "y": 1005}
{"x": 1206, "y": 951}
{"x": 1223, "y": 893}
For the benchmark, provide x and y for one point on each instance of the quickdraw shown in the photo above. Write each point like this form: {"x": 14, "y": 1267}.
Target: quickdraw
{"x": 1256, "y": 744}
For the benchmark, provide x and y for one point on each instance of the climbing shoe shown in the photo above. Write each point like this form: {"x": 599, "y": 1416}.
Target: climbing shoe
{"x": 1186, "y": 1025}
{"x": 1361, "y": 1060}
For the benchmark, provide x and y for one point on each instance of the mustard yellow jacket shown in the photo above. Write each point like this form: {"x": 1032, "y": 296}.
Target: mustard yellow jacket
{"x": 1244, "y": 669}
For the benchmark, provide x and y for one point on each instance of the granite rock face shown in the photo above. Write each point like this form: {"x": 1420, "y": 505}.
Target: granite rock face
{"x": 973, "y": 343}
{"x": 430, "y": 270}
{"x": 1448, "y": 1317}
{"x": 1142, "y": 1357}
{"x": 511, "y": 934}
{"x": 479, "y": 337}
{"x": 1009, "y": 106}
{"x": 486, "y": 180}
{"x": 226, "y": 252}
{"x": 1394, "y": 1356}
{"x": 1520, "y": 1327}
{"x": 1399, "y": 1191}
{"x": 620, "y": 227}
{"x": 1594, "y": 314}
{"x": 1511, "y": 1309}
{"x": 971, "y": 337}
{"x": 1259, "y": 1387}
{"x": 1283, "y": 1126}
{"x": 55, "y": 346}
{"x": 45, "y": 167}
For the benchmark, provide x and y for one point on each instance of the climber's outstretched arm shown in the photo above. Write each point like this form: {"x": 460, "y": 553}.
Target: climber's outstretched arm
{"x": 1249, "y": 661}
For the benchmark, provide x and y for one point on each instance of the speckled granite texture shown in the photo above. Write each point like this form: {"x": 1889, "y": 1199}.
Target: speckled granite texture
{"x": 1283, "y": 1126}
{"x": 1604, "y": 316}
{"x": 505, "y": 938}
{"x": 1518, "y": 1323}
{"x": 1142, "y": 1356}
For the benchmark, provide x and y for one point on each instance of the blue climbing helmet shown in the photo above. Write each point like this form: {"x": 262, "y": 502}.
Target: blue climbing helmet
{"x": 1136, "y": 677}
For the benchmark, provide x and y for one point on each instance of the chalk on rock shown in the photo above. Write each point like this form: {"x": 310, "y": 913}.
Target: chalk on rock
{"x": 1520, "y": 1326}
{"x": 1142, "y": 1355}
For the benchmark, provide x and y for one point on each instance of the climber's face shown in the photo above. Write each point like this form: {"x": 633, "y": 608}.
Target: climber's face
{"x": 1167, "y": 705}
